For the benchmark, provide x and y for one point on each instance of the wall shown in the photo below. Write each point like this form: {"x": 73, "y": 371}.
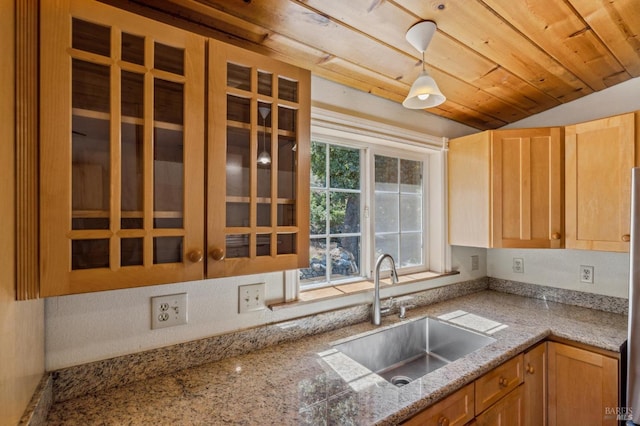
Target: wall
{"x": 21, "y": 323}
{"x": 89, "y": 327}
{"x": 560, "y": 268}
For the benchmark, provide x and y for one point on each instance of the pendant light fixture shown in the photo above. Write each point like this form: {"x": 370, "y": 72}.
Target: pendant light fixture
{"x": 424, "y": 92}
{"x": 264, "y": 158}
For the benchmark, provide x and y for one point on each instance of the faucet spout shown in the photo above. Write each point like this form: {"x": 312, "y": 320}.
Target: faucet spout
{"x": 375, "y": 312}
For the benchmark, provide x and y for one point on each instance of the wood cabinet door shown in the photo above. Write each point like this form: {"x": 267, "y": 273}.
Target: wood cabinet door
{"x": 527, "y": 186}
{"x": 535, "y": 386}
{"x": 122, "y": 150}
{"x": 469, "y": 186}
{"x": 258, "y": 211}
{"x": 583, "y": 387}
{"x": 599, "y": 157}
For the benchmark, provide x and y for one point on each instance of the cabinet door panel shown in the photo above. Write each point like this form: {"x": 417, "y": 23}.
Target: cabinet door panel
{"x": 599, "y": 158}
{"x": 527, "y": 188}
{"x": 258, "y": 163}
{"x": 583, "y": 386}
{"x": 535, "y": 386}
{"x": 122, "y": 137}
{"x": 509, "y": 411}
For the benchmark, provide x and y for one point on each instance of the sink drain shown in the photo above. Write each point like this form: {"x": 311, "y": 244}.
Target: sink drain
{"x": 400, "y": 380}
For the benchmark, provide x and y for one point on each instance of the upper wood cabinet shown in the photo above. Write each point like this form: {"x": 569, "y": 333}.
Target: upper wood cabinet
{"x": 505, "y": 189}
{"x": 132, "y": 169}
{"x": 599, "y": 157}
{"x": 122, "y": 150}
{"x": 259, "y": 109}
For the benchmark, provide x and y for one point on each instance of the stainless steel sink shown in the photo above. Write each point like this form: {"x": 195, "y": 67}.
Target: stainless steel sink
{"x": 410, "y": 350}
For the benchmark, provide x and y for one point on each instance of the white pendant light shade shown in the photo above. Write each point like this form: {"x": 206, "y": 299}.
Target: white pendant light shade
{"x": 424, "y": 93}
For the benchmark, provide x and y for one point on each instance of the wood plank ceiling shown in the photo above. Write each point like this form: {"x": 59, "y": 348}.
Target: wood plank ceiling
{"x": 496, "y": 61}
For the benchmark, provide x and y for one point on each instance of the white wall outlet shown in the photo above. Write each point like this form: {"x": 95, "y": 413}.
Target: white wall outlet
{"x": 168, "y": 311}
{"x": 518, "y": 265}
{"x": 586, "y": 274}
{"x": 251, "y": 298}
{"x": 475, "y": 262}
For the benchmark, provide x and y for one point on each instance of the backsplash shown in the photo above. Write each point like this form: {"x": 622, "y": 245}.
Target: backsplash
{"x": 616, "y": 305}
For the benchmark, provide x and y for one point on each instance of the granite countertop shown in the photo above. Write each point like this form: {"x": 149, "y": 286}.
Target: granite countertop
{"x": 292, "y": 384}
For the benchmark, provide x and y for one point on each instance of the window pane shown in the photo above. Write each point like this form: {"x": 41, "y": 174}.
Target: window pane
{"x": 410, "y": 176}
{"x": 410, "y": 250}
{"x": 386, "y": 212}
{"x": 318, "y": 219}
{"x": 344, "y": 166}
{"x": 318, "y": 165}
{"x": 317, "y": 270}
{"x": 387, "y": 244}
{"x": 410, "y": 212}
{"x": 345, "y": 213}
{"x": 386, "y": 170}
{"x": 345, "y": 257}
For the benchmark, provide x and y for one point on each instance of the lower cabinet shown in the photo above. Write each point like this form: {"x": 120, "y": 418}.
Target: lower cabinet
{"x": 549, "y": 384}
{"x": 583, "y": 387}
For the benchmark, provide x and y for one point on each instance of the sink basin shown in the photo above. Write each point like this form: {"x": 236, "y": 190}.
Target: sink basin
{"x": 408, "y": 351}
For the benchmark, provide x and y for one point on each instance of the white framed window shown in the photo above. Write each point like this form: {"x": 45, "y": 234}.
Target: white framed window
{"x": 374, "y": 189}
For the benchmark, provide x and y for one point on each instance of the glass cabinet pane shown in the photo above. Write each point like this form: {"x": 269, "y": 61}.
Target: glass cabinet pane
{"x": 91, "y": 86}
{"x": 265, "y": 85}
{"x": 168, "y": 58}
{"x": 287, "y": 89}
{"x": 237, "y": 245}
{"x": 168, "y": 178}
{"x": 132, "y": 49}
{"x": 90, "y": 177}
{"x": 238, "y": 168}
{"x": 238, "y": 76}
{"x": 287, "y": 244}
{"x": 89, "y": 254}
{"x": 286, "y": 168}
{"x": 132, "y": 94}
{"x": 263, "y": 245}
{"x": 167, "y": 250}
{"x": 91, "y": 37}
{"x": 132, "y": 176}
{"x": 131, "y": 253}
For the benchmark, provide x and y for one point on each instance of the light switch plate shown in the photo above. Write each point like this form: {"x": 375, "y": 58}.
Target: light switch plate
{"x": 251, "y": 298}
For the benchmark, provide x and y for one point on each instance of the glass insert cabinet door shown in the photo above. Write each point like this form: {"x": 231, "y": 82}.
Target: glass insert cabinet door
{"x": 258, "y": 183}
{"x": 122, "y": 150}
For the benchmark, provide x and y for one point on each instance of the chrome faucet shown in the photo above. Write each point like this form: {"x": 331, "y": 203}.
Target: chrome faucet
{"x": 375, "y": 312}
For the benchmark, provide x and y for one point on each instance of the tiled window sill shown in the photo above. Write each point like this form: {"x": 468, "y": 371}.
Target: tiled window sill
{"x": 338, "y": 291}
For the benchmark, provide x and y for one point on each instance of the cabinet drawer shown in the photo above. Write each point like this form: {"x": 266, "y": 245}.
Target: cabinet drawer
{"x": 509, "y": 411}
{"x": 497, "y": 383}
{"x": 456, "y": 409}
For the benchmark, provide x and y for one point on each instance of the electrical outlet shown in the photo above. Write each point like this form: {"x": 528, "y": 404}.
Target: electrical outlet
{"x": 475, "y": 262}
{"x": 586, "y": 274}
{"x": 518, "y": 265}
{"x": 168, "y": 311}
{"x": 251, "y": 298}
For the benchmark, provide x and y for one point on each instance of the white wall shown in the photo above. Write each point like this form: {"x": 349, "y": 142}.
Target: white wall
{"x": 559, "y": 268}
{"x": 90, "y": 327}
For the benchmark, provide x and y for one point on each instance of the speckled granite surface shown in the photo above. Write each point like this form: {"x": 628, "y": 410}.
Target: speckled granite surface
{"x": 290, "y": 383}
{"x": 100, "y": 375}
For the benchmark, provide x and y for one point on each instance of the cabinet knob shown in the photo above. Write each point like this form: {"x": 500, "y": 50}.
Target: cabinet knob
{"x": 530, "y": 369}
{"x": 195, "y": 256}
{"x": 217, "y": 254}
{"x": 626, "y": 238}
{"x": 443, "y": 421}
{"x": 503, "y": 382}
{"x": 555, "y": 236}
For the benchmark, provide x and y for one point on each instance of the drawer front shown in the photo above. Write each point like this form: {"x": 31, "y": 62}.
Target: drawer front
{"x": 497, "y": 383}
{"x": 455, "y": 410}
